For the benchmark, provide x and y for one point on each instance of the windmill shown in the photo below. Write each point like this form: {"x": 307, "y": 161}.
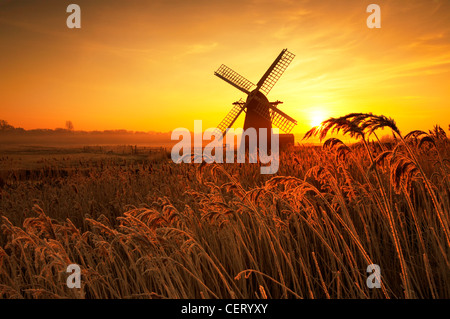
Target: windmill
{"x": 260, "y": 113}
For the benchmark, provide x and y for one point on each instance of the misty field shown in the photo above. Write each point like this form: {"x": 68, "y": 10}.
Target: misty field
{"x": 144, "y": 227}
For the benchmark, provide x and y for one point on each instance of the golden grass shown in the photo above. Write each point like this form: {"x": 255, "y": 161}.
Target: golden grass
{"x": 154, "y": 229}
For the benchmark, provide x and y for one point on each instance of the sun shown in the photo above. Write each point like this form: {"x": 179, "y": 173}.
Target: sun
{"x": 316, "y": 117}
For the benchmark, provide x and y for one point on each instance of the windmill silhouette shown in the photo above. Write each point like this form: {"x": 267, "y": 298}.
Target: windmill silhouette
{"x": 260, "y": 113}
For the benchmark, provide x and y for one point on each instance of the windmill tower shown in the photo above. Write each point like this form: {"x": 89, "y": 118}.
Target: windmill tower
{"x": 260, "y": 113}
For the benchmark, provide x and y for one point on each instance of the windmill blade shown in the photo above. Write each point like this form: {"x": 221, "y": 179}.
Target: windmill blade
{"x": 278, "y": 118}
{"x": 275, "y": 71}
{"x": 281, "y": 120}
{"x": 231, "y": 117}
{"x": 234, "y": 78}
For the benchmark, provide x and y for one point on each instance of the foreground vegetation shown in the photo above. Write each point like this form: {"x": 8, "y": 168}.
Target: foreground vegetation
{"x": 147, "y": 228}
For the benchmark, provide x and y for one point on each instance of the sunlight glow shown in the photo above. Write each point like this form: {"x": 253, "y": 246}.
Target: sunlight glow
{"x": 153, "y": 69}
{"x": 316, "y": 117}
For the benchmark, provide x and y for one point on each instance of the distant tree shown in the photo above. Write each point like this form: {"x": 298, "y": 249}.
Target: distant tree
{"x": 4, "y": 126}
{"x": 69, "y": 125}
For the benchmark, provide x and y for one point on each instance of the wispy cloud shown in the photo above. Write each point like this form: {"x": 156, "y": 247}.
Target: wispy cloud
{"x": 200, "y": 48}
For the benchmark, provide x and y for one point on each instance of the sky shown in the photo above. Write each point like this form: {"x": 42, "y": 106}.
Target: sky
{"x": 149, "y": 65}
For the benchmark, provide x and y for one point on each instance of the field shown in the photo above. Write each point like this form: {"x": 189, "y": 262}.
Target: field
{"x": 140, "y": 226}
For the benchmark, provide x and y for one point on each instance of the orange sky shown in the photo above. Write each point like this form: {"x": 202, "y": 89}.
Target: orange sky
{"x": 148, "y": 65}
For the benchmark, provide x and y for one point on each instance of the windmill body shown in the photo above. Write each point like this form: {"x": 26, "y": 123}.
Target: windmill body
{"x": 260, "y": 113}
{"x": 257, "y": 118}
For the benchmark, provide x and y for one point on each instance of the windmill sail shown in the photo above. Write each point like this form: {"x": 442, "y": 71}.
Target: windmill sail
{"x": 275, "y": 71}
{"x": 234, "y": 78}
{"x": 231, "y": 117}
{"x": 278, "y": 118}
{"x": 281, "y": 120}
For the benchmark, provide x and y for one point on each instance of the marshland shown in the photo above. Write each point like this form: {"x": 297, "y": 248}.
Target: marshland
{"x": 140, "y": 226}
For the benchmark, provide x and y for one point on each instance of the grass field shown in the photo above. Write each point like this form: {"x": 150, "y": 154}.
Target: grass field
{"x": 140, "y": 226}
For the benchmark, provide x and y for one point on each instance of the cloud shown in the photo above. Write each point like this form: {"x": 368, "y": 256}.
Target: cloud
{"x": 200, "y": 48}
